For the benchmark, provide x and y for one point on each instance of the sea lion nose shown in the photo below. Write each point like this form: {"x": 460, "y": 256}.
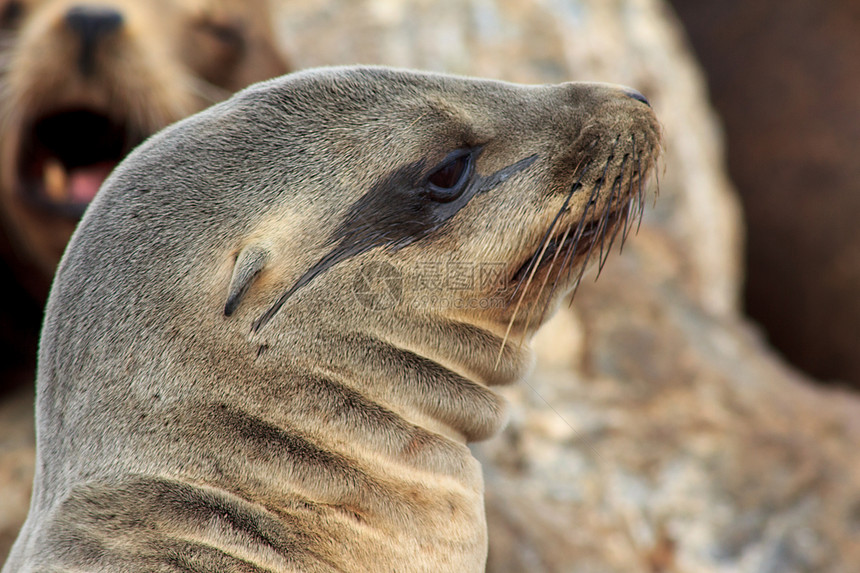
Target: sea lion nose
{"x": 637, "y": 96}
{"x": 92, "y": 24}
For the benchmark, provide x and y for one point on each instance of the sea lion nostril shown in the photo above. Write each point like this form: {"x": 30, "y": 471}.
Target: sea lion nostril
{"x": 93, "y": 22}
{"x": 637, "y": 96}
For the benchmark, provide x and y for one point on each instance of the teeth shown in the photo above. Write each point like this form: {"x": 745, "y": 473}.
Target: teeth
{"x": 56, "y": 180}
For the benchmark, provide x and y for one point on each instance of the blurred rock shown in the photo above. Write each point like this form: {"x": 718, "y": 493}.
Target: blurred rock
{"x": 671, "y": 441}
{"x": 17, "y": 450}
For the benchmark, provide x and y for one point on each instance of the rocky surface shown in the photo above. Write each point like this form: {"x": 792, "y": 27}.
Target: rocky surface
{"x": 657, "y": 433}
{"x": 17, "y": 436}
{"x": 669, "y": 441}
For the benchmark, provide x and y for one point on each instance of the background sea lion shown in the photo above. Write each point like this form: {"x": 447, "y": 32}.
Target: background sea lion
{"x": 244, "y": 409}
{"x": 82, "y": 84}
{"x": 86, "y": 82}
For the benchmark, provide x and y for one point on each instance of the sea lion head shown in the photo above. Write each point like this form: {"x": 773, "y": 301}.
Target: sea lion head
{"x": 494, "y": 193}
{"x": 438, "y": 215}
{"x": 442, "y": 215}
{"x": 445, "y": 201}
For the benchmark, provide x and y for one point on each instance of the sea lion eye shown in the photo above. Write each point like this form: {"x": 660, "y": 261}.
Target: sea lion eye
{"x": 10, "y": 14}
{"x": 229, "y": 35}
{"x": 450, "y": 179}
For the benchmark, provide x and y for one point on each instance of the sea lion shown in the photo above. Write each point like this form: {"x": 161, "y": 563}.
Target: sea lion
{"x": 84, "y": 81}
{"x": 240, "y": 368}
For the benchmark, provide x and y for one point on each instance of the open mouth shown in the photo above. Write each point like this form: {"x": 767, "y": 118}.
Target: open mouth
{"x": 569, "y": 250}
{"x": 65, "y": 157}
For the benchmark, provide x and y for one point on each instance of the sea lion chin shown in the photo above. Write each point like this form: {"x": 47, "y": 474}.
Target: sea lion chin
{"x": 276, "y": 328}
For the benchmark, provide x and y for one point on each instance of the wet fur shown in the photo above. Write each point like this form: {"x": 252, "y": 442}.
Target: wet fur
{"x": 174, "y": 436}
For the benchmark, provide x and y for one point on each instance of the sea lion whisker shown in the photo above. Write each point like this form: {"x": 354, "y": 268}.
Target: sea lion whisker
{"x": 567, "y": 259}
{"x": 602, "y": 252}
{"x": 581, "y": 170}
{"x": 606, "y": 215}
{"x": 326, "y": 262}
{"x": 641, "y": 195}
{"x": 584, "y": 264}
{"x": 631, "y": 194}
{"x": 630, "y": 215}
{"x": 628, "y": 212}
{"x": 531, "y": 274}
{"x": 571, "y": 250}
{"x": 586, "y": 215}
{"x": 616, "y": 228}
{"x": 532, "y": 264}
{"x": 551, "y": 266}
{"x": 545, "y": 280}
{"x": 617, "y": 211}
{"x": 591, "y": 250}
{"x": 519, "y": 303}
{"x": 579, "y": 232}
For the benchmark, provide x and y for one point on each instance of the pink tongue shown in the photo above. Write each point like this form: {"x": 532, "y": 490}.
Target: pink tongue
{"x": 85, "y": 181}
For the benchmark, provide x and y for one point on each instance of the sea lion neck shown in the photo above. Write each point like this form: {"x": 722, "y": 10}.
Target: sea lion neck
{"x": 432, "y": 375}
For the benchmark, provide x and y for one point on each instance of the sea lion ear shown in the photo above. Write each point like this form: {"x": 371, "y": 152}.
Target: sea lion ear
{"x": 249, "y": 262}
